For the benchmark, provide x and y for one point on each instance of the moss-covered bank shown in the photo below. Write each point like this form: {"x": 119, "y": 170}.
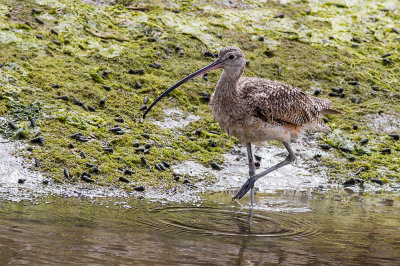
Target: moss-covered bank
{"x": 60, "y": 58}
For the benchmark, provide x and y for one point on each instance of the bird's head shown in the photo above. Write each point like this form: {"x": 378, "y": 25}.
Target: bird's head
{"x": 229, "y": 58}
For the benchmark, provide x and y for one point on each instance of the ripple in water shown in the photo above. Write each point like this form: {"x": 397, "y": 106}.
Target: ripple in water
{"x": 228, "y": 222}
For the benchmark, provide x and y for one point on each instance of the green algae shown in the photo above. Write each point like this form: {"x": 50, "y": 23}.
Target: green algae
{"x": 313, "y": 50}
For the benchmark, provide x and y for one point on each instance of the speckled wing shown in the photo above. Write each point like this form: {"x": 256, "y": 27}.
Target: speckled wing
{"x": 278, "y": 103}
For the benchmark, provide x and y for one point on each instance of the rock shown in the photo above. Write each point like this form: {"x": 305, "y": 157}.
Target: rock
{"x": 11, "y": 125}
{"x": 114, "y": 129}
{"x": 356, "y": 39}
{"x": 364, "y": 141}
{"x": 146, "y": 100}
{"x": 141, "y": 149}
{"x": 216, "y": 166}
{"x": 325, "y": 146}
{"x": 56, "y": 42}
{"x": 21, "y": 180}
{"x": 45, "y": 182}
{"x": 161, "y": 166}
{"x": 387, "y": 61}
{"x": 257, "y": 157}
{"x": 186, "y": 181}
{"x": 361, "y": 169}
{"x": 166, "y": 51}
{"x": 36, "y": 11}
{"x": 102, "y": 101}
{"x": 209, "y": 54}
{"x": 261, "y": 38}
{"x": 128, "y": 172}
{"x": 338, "y": 90}
{"x": 66, "y": 173}
{"x": 136, "y": 144}
{"x": 84, "y": 107}
{"x": 355, "y": 100}
{"x": 38, "y": 36}
{"x": 91, "y": 108}
{"x": 107, "y": 149}
{"x": 106, "y": 87}
{"x": 144, "y": 107}
{"x": 166, "y": 164}
{"x": 147, "y": 146}
{"x": 86, "y": 177}
{"x": 54, "y": 31}
{"x": 62, "y": 97}
{"x": 317, "y": 92}
{"x": 82, "y": 154}
{"x": 155, "y": 65}
{"x": 38, "y": 20}
{"x": 139, "y": 188}
{"x": 37, "y": 162}
{"x": 355, "y": 127}
{"x": 157, "y": 166}
{"x": 55, "y": 86}
{"x": 344, "y": 149}
{"x": 333, "y": 94}
{"x": 146, "y": 136}
{"x": 375, "y": 88}
{"x": 378, "y": 181}
{"x": 123, "y": 179}
{"x": 136, "y": 71}
{"x": 395, "y": 136}
{"x": 143, "y": 159}
{"x": 33, "y": 121}
{"x": 39, "y": 140}
{"x": 257, "y": 164}
{"x": 353, "y": 181}
{"x": 280, "y": 15}
{"x": 205, "y": 96}
{"x": 386, "y": 151}
{"x": 386, "y": 55}
{"x": 137, "y": 84}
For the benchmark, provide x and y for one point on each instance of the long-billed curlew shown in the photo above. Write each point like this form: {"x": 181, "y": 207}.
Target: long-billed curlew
{"x": 255, "y": 110}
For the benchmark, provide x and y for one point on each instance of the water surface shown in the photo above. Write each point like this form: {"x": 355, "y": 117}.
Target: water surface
{"x": 287, "y": 227}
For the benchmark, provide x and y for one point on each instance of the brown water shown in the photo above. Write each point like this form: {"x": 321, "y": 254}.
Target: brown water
{"x": 287, "y": 227}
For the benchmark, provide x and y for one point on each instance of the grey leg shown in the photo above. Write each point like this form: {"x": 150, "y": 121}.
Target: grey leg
{"x": 252, "y": 170}
{"x": 250, "y": 182}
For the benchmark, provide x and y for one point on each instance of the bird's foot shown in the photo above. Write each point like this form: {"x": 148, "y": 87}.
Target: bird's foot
{"x": 245, "y": 188}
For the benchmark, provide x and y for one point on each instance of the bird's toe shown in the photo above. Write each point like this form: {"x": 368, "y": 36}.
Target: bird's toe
{"x": 244, "y": 189}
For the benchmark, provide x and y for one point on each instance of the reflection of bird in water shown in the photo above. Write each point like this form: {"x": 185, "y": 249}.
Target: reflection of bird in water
{"x": 255, "y": 110}
{"x": 244, "y": 228}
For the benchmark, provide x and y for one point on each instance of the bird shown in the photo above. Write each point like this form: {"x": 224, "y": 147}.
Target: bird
{"x": 255, "y": 110}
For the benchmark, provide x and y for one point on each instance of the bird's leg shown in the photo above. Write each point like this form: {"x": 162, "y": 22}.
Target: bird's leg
{"x": 252, "y": 169}
{"x": 250, "y": 182}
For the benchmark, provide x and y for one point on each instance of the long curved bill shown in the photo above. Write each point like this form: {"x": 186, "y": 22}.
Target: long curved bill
{"x": 216, "y": 64}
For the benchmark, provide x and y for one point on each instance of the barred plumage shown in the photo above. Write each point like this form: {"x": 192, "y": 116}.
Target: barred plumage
{"x": 255, "y": 110}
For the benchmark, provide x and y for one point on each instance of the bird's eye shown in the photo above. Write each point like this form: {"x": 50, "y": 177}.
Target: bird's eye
{"x": 231, "y": 57}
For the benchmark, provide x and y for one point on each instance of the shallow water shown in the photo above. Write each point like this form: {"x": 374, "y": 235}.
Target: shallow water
{"x": 287, "y": 227}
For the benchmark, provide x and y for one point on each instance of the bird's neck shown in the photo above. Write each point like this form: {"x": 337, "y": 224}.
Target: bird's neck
{"x": 227, "y": 84}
